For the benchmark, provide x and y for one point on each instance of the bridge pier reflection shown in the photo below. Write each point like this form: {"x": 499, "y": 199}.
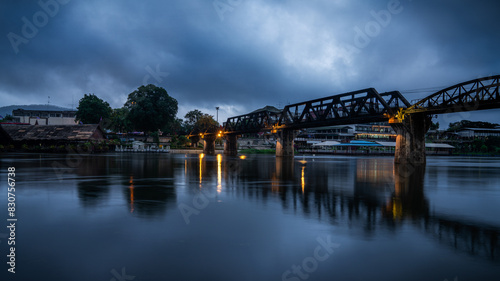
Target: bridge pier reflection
{"x": 209, "y": 144}
{"x": 367, "y": 195}
{"x": 285, "y": 168}
{"x": 231, "y": 145}
{"x": 408, "y": 199}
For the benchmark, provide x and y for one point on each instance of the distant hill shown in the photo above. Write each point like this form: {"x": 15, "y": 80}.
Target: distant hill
{"x": 4, "y": 110}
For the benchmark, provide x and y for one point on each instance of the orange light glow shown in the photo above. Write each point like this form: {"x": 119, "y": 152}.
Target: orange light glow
{"x": 131, "y": 187}
{"x": 243, "y": 157}
{"x": 219, "y": 173}
{"x": 274, "y": 183}
{"x": 302, "y": 179}
{"x": 201, "y": 169}
{"x": 397, "y": 208}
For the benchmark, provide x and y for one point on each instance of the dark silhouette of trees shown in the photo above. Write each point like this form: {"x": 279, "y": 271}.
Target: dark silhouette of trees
{"x": 92, "y": 110}
{"x": 151, "y": 108}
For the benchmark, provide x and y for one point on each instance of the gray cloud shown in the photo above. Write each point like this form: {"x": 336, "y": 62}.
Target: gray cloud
{"x": 262, "y": 52}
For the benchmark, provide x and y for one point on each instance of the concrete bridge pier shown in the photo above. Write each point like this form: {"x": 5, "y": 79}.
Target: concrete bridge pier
{"x": 231, "y": 145}
{"x": 284, "y": 143}
{"x": 209, "y": 144}
{"x": 410, "y": 141}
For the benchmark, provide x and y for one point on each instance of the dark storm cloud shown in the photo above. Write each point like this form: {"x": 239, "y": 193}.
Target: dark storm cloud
{"x": 241, "y": 55}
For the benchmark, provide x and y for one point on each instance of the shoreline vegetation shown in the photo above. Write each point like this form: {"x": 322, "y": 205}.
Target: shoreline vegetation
{"x": 257, "y": 151}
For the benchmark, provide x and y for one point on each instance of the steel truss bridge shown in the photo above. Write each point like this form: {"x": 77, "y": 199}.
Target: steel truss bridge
{"x": 366, "y": 106}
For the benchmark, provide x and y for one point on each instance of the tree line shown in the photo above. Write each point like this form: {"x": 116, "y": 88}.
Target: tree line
{"x": 148, "y": 109}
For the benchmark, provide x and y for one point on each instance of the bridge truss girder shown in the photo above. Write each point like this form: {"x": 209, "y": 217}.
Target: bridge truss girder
{"x": 251, "y": 123}
{"x": 477, "y": 94}
{"x": 361, "y": 106}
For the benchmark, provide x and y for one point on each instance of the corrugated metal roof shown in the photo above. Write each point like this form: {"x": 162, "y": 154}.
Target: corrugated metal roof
{"x": 429, "y": 145}
{"x": 360, "y": 143}
{"x": 480, "y": 129}
{"x": 50, "y": 132}
{"x": 387, "y": 143}
{"x": 327, "y": 143}
{"x": 377, "y": 143}
{"x": 438, "y": 145}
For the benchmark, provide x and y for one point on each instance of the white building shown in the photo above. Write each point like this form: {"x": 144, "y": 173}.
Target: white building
{"x": 374, "y": 131}
{"x": 45, "y": 117}
{"x": 479, "y": 132}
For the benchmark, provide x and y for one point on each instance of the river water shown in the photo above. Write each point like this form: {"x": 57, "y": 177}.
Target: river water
{"x": 187, "y": 217}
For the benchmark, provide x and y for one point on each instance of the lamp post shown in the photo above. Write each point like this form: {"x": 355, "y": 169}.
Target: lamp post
{"x": 217, "y": 108}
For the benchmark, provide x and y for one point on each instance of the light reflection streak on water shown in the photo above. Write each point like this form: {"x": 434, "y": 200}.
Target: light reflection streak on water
{"x": 131, "y": 187}
{"x": 219, "y": 173}
{"x": 302, "y": 175}
{"x": 302, "y": 179}
{"x": 201, "y": 168}
{"x": 274, "y": 183}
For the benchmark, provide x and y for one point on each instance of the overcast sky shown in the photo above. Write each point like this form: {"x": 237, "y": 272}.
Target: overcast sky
{"x": 241, "y": 55}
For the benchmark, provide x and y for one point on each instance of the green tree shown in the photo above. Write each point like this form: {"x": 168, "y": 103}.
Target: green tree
{"x": 493, "y": 143}
{"x": 484, "y": 148}
{"x": 175, "y": 127}
{"x": 193, "y": 116}
{"x": 183, "y": 141}
{"x": 179, "y": 141}
{"x": 91, "y": 109}
{"x": 477, "y": 144}
{"x": 119, "y": 121}
{"x": 190, "y": 119}
{"x": 151, "y": 108}
{"x": 206, "y": 124}
{"x": 434, "y": 126}
{"x": 7, "y": 118}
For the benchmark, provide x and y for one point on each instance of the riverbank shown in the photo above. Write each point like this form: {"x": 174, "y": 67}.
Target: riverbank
{"x": 88, "y": 147}
{"x": 111, "y": 148}
{"x": 193, "y": 151}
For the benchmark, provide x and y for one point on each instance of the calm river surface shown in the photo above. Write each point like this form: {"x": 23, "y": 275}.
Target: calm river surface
{"x": 116, "y": 217}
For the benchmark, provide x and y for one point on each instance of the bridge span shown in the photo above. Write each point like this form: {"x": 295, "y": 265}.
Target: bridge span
{"x": 410, "y": 121}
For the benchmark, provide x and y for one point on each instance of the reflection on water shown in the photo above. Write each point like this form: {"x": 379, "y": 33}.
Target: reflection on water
{"x": 219, "y": 173}
{"x": 149, "y": 198}
{"x": 363, "y": 201}
{"x": 131, "y": 187}
{"x": 93, "y": 192}
{"x": 371, "y": 192}
{"x": 408, "y": 200}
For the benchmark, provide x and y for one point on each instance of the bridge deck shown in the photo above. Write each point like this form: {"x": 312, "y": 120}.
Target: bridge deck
{"x": 366, "y": 106}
